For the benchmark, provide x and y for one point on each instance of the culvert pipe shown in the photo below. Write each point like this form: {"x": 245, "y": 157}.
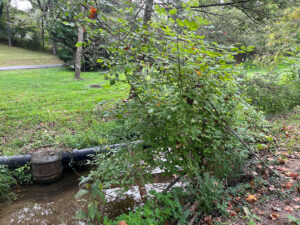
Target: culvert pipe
{"x": 76, "y": 155}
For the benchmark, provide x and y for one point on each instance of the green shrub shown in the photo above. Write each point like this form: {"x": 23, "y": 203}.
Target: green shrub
{"x": 278, "y": 90}
{"x": 9, "y": 178}
{"x": 6, "y": 182}
{"x": 157, "y": 210}
{"x": 23, "y": 174}
{"x": 185, "y": 99}
{"x": 273, "y": 92}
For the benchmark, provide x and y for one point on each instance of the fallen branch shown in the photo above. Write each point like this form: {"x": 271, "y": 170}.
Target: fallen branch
{"x": 172, "y": 184}
{"x": 228, "y": 128}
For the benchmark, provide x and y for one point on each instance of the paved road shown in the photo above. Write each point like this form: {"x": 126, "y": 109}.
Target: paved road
{"x": 4, "y": 68}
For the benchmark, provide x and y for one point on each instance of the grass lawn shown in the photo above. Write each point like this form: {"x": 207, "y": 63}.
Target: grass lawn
{"x": 13, "y": 56}
{"x": 47, "y": 106}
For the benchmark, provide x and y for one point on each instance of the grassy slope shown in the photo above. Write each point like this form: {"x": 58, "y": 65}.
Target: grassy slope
{"x": 13, "y": 56}
{"x": 46, "y": 106}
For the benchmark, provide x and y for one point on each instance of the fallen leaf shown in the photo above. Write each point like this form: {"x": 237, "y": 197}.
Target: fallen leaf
{"x": 281, "y": 161}
{"x": 259, "y": 212}
{"x": 293, "y": 175}
{"x": 259, "y": 166}
{"x": 265, "y": 173}
{"x": 297, "y": 199}
{"x": 251, "y": 198}
{"x": 283, "y": 169}
{"x": 230, "y": 205}
{"x": 274, "y": 216}
{"x": 288, "y": 185}
{"x": 232, "y": 213}
{"x": 122, "y": 223}
{"x": 288, "y": 208}
{"x": 207, "y": 218}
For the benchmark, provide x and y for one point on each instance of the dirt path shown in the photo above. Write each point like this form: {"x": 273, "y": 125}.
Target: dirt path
{"x": 4, "y": 68}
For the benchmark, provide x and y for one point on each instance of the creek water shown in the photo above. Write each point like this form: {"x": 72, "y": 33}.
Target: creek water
{"x": 54, "y": 204}
{"x": 44, "y": 204}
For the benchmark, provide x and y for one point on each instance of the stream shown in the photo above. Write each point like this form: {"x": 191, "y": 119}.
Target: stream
{"x": 44, "y": 204}
{"x": 54, "y": 204}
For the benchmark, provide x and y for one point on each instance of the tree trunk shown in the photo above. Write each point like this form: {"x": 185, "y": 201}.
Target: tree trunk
{"x": 148, "y": 11}
{"x": 78, "y": 53}
{"x": 54, "y": 47}
{"x": 8, "y": 23}
{"x": 43, "y": 32}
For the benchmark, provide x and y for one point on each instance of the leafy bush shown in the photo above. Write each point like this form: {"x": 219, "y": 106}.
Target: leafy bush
{"x": 10, "y": 178}
{"x": 279, "y": 90}
{"x": 6, "y": 182}
{"x": 185, "y": 103}
{"x": 23, "y": 174}
{"x": 273, "y": 92}
{"x": 157, "y": 210}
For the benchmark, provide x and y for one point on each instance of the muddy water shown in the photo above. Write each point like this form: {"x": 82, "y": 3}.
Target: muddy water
{"x": 44, "y": 204}
{"x": 54, "y": 204}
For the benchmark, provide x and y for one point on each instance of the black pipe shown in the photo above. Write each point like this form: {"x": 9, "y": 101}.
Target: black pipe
{"x": 15, "y": 161}
{"x": 76, "y": 155}
{"x": 87, "y": 153}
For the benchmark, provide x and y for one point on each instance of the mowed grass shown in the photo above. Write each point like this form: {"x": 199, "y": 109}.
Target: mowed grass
{"x": 47, "y": 106}
{"x": 14, "y": 56}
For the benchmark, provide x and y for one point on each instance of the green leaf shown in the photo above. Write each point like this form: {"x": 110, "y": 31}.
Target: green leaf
{"x": 180, "y": 22}
{"x": 173, "y": 11}
{"x": 81, "y": 193}
{"x": 92, "y": 210}
{"x": 79, "y": 44}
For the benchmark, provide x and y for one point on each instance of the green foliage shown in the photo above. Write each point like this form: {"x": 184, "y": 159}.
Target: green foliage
{"x": 209, "y": 192}
{"x": 275, "y": 92}
{"x": 185, "y": 90}
{"x": 66, "y": 38}
{"x": 157, "y": 210}
{"x": 23, "y": 174}
{"x": 251, "y": 217}
{"x": 295, "y": 220}
{"x": 24, "y": 29}
{"x": 6, "y": 182}
{"x": 184, "y": 95}
{"x": 9, "y": 178}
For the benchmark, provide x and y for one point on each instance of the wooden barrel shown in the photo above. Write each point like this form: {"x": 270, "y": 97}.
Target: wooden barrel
{"x": 46, "y": 166}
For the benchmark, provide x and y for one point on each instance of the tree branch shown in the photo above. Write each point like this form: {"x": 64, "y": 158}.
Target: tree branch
{"x": 221, "y": 4}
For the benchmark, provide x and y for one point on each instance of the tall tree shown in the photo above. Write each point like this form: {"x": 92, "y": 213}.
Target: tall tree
{"x": 43, "y": 6}
{"x": 7, "y": 7}
{"x": 79, "y": 48}
{"x": 78, "y": 53}
{"x": 46, "y": 9}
